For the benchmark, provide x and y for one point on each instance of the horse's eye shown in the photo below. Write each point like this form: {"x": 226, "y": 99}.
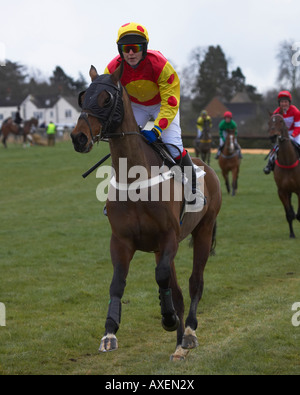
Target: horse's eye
{"x": 108, "y": 100}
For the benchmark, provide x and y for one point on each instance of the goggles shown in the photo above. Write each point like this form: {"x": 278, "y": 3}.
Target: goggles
{"x": 135, "y": 48}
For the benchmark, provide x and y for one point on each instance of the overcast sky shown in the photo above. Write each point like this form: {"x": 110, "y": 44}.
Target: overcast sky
{"x": 77, "y": 33}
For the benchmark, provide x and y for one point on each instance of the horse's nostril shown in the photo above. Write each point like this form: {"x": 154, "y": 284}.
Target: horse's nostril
{"x": 82, "y": 139}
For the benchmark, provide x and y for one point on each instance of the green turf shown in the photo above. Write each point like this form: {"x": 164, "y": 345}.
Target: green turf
{"x": 55, "y": 273}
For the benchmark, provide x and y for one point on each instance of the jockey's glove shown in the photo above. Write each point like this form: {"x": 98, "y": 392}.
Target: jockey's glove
{"x": 151, "y": 135}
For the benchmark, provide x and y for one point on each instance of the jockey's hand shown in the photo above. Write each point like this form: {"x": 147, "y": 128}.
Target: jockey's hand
{"x": 151, "y": 135}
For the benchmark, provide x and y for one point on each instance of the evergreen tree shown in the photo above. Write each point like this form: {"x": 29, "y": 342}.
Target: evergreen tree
{"x": 213, "y": 77}
{"x": 12, "y": 82}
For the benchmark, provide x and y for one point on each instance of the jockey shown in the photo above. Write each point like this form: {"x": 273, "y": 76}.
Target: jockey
{"x": 291, "y": 117}
{"x": 154, "y": 90}
{"x": 227, "y": 124}
{"x": 18, "y": 119}
{"x": 201, "y": 121}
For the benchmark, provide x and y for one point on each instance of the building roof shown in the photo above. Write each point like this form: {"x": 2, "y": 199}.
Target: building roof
{"x": 216, "y": 108}
{"x": 44, "y": 101}
{"x": 241, "y": 97}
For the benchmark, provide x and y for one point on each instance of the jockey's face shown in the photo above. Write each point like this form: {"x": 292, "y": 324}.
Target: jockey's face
{"x": 227, "y": 119}
{"x": 284, "y": 104}
{"x": 133, "y": 58}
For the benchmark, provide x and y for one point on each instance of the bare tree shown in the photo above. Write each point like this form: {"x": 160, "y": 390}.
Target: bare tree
{"x": 288, "y": 75}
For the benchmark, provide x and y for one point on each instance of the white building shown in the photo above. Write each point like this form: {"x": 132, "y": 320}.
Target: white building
{"x": 63, "y": 111}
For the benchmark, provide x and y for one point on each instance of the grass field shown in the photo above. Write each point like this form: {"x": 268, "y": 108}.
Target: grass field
{"x": 55, "y": 273}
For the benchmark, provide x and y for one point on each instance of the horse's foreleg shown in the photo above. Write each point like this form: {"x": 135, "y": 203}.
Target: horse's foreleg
{"x": 203, "y": 237}
{"x": 121, "y": 257}
{"x": 286, "y": 199}
{"x": 163, "y": 275}
{"x": 226, "y": 178}
{"x": 4, "y": 142}
{"x": 235, "y": 174}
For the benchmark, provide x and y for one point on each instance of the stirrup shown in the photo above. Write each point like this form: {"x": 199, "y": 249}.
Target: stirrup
{"x": 198, "y": 203}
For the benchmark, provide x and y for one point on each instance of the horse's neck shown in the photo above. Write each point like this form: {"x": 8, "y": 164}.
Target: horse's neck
{"x": 206, "y": 133}
{"x": 287, "y": 153}
{"x": 131, "y": 146}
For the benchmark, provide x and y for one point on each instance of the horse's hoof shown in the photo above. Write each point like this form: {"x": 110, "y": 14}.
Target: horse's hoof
{"x": 179, "y": 355}
{"x": 108, "y": 343}
{"x": 189, "y": 340}
{"x": 170, "y": 323}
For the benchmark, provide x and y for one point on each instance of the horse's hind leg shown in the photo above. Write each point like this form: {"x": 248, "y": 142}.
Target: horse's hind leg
{"x": 121, "y": 256}
{"x": 203, "y": 236}
{"x": 179, "y": 353}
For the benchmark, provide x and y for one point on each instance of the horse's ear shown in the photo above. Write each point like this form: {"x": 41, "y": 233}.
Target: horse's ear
{"x": 281, "y": 111}
{"x": 117, "y": 74}
{"x": 93, "y": 73}
{"x": 270, "y": 113}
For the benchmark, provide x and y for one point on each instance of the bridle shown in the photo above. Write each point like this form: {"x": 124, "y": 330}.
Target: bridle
{"x": 280, "y": 137}
{"x": 106, "y": 130}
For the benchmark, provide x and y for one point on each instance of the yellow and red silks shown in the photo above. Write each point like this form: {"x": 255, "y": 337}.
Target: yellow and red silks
{"x": 154, "y": 81}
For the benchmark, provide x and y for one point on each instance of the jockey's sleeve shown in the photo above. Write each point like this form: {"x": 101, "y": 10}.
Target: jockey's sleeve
{"x": 296, "y": 131}
{"x": 169, "y": 89}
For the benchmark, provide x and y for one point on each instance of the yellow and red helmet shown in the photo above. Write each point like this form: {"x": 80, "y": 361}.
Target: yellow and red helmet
{"x": 133, "y": 33}
{"x": 128, "y": 30}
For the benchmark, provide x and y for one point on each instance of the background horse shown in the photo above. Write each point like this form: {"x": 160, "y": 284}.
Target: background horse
{"x": 149, "y": 226}
{"x": 287, "y": 169}
{"x": 229, "y": 161}
{"x": 203, "y": 144}
{"x": 9, "y": 126}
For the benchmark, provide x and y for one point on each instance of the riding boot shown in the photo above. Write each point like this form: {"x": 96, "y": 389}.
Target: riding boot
{"x": 238, "y": 148}
{"x": 194, "y": 194}
{"x": 271, "y": 165}
{"x": 219, "y": 151}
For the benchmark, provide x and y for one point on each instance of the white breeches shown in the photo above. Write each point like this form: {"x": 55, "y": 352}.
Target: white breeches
{"x": 297, "y": 139}
{"x": 171, "y": 135}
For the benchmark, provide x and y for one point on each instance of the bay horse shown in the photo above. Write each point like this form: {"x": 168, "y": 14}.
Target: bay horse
{"x": 203, "y": 144}
{"x": 9, "y": 126}
{"x": 152, "y": 226}
{"x": 229, "y": 161}
{"x": 287, "y": 169}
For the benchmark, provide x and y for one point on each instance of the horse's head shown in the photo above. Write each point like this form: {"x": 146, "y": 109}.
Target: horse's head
{"x": 277, "y": 126}
{"x": 102, "y": 110}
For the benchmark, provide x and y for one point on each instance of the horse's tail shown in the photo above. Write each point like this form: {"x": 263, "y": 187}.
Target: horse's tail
{"x": 214, "y": 241}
